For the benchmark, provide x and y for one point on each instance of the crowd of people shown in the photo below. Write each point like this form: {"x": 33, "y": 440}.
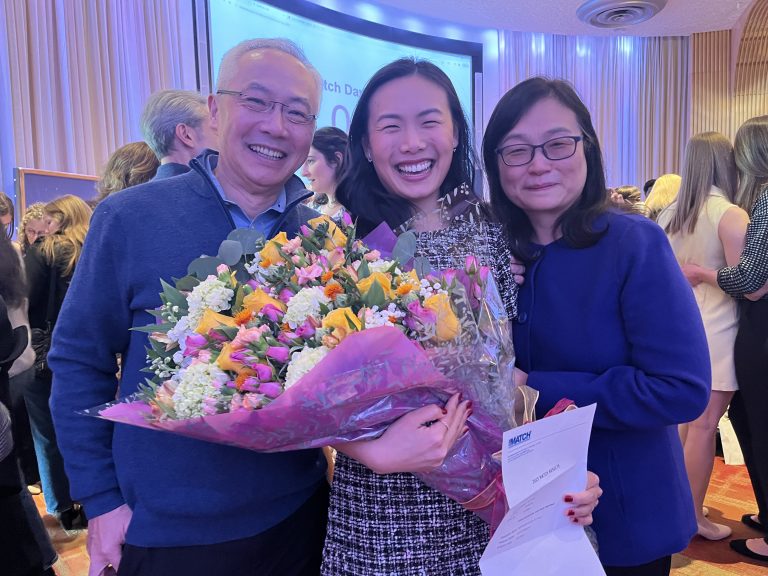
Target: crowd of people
{"x": 575, "y": 264}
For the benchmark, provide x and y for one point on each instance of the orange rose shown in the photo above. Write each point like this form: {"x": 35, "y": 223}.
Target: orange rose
{"x": 381, "y": 279}
{"x": 270, "y": 251}
{"x": 257, "y": 299}
{"x": 212, "y": 320}
{"x": 334, "y": 237}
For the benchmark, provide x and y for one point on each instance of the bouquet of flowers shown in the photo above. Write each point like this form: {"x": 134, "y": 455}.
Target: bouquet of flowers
{"x": 282, "y": 344}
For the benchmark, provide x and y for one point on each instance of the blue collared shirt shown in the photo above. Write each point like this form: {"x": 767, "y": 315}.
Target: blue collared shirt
{"x": 264, "y": 222}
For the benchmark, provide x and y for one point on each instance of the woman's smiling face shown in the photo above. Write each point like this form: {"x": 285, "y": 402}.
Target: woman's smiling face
{"x": 544, "y": 188}
{"x": 411, "y": 138}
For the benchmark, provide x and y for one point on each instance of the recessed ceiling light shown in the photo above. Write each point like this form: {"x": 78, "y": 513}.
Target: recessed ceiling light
{"x": 618, "y": 13}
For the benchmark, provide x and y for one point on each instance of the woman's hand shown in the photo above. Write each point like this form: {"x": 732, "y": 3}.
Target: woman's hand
{"x": 755, "y": 296}
{"x": 582, "y": 504}
{"x": 696, "y": 274}
{"x": 416, "y": 442}
{"x": 518, "y": 270}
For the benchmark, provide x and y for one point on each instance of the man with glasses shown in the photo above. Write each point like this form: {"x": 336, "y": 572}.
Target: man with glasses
{"x": 183, "y": 506}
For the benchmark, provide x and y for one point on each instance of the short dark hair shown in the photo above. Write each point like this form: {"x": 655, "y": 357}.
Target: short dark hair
{"x": 648, "y": 185}
{"x": 360, "y": 190}
{"x": 576, "y": 222}
{"x": 330, "y": 141}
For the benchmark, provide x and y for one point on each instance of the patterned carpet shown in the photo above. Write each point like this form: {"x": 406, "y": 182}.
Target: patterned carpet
{"x": 730, "y": 496}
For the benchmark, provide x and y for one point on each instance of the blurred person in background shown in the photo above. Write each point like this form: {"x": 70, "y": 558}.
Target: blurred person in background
{"x": 662, "y": 194}
{"x": 323, "y": 169}
{"x": 704, "y": 226}
{"x": 177, "y": 127}
{"x": 33, "y": 225}
{"x": 129, "y": 165}
{"x": 748, "y": 282}
{"x": 50, "y": 264}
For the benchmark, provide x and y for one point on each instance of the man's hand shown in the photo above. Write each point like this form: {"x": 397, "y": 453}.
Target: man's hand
{"x": 106, "y": 536}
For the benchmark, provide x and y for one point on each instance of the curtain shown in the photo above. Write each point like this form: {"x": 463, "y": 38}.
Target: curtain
{"x": 77, "y": 73}
{"x": 636, "y": 89}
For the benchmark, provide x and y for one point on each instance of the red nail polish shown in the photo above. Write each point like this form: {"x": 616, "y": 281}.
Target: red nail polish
{"x": 575, "y": 520}
{"x": 445, "y": 411}
{"x": 571, "y": 513}
{"x": 469, "y": 405}
{"x": 568, "y": 498}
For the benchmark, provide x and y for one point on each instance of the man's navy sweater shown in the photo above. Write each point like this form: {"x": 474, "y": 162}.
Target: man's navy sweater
{"x": 182, "y": 492}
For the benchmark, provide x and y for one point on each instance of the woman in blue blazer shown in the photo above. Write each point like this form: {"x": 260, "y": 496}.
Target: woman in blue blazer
{"x": 605, "y": 316}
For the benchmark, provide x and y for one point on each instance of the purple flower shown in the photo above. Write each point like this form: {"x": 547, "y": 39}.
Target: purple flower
{"x": 346, "y": 219}
{"x": 305, "y": 230}
{"x": 250, "y": 385}
{"x": 279, "y": 353}
{"x": 423, "y": 315}
{"x": 270, "y": 389}
{"x": 471, "y": 265}
{"x": 285, "y": 295}
{"x": 306, "y": 330}
{"x": 193, "y": 343}
{"x": 287, "y": 338}
{"x": 272, "y": 312}
{"x": 263, "y": 372}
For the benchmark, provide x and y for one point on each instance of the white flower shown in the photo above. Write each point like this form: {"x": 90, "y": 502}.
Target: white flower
{"x": 211, "y": 294}
{"x": 302, "y": 362}
{"x": 197, "y": 386}
{"x": 306, "y": 302}
{"x": 253, "y": 265}
{"x": 180, "y": 332}
{"x": 381, "y": 265}
{"x": 375, "y": 317}
{"x": 428, "y": 289}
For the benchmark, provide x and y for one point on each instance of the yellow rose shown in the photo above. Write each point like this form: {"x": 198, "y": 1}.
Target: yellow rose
{"x": 381, "y": 279}
{"x": 270, "y": 253}
{"x": 339, "y": 321}
{"x": 225, "y": 362}
{"x": 334, "y": 237}
{"x": 212, "y": 320}
{"x": 257, "y": 299}
{"x": 447, "y": 323}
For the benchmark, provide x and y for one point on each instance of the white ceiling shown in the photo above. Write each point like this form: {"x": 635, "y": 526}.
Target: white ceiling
{"x": 678, "y": 18}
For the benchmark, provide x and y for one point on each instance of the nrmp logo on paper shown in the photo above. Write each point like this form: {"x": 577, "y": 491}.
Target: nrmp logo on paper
{"x": 515, "y": 440}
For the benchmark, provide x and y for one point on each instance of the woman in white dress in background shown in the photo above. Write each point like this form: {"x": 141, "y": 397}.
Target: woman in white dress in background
{"x": 704, "y": 226}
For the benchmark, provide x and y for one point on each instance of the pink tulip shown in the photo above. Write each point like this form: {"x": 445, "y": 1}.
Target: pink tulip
{"x": 250, "y": 384}
{"x": 272, "y": 312}
{"x": 193, "y": 343}
{"x": 285, "y": 295}
{"x": 346, "y": 219}
{"x": 306, "y": 330}
{"x": 279, "y": 353}
{"x": 471, "y": 264}
{"x": 263, "y": 372}
{"x": 423, "y": 315}
{"x": 270, "y": 389}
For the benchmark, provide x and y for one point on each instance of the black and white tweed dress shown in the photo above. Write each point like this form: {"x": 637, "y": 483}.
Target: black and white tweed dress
{"x": 393, "y": 525}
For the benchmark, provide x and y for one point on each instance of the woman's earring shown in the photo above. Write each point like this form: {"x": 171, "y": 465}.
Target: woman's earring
{"x": 370, "y": 159}
{"x": 454, "y": 150}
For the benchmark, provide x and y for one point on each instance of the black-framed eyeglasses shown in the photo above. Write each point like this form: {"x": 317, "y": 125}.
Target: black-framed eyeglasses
{"x": 558, "y": 148}
{"x": 257, "y": 104}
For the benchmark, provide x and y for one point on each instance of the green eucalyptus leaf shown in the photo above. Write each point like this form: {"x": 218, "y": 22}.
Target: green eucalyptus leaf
{"x": 173, "y": 295}
{"x": 203, "y": 267}
{"x": 405, "y": 247}
{"x": 375, "y": 296}
{"x": 186, "y": 284}
{"x": 363, "y": 271}
{"x": 422, "y": 267}
{"x": 250, "y": 240}
{"x": 230, "y": 251}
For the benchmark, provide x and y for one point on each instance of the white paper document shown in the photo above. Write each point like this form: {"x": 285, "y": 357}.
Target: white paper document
{"x": 541, "y": 463}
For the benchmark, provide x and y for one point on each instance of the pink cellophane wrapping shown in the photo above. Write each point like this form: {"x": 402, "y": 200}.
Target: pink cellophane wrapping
{"x": 372, "y": 378}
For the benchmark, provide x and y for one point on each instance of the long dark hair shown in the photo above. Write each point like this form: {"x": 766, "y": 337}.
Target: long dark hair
{"x": 331, "y": 142}
{"x": 576, "y": 222}
{"x": 360, "y": 190}
{"x": 13, "y": 286}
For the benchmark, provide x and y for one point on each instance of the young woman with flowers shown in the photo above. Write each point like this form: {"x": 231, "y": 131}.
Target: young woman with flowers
{"x": 411, "y": 167}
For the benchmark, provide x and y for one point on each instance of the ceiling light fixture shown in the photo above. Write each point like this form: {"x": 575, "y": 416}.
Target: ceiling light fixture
{"x": 618, "y": 13}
